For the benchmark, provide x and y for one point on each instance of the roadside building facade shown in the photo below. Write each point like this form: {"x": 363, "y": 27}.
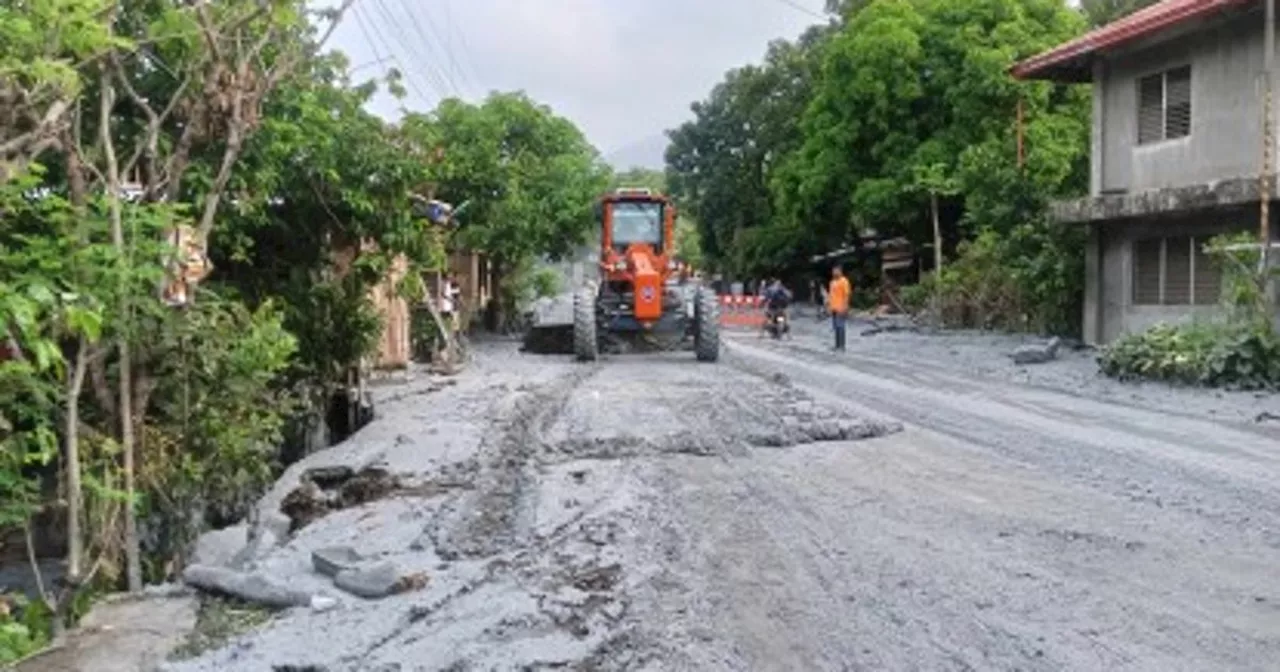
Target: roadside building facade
{"x": 1176, "y": 155}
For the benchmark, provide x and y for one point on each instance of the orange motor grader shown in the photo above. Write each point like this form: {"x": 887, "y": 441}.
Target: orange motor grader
{"x": 638, "y": 292}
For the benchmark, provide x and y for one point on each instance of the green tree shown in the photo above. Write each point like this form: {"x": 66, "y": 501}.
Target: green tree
{"x": 46, "y": 43}
{"x": 912, "y": 84}
{"x": 720, "y": 165}
{"x": 530, "y": 178}
{"x": 320, "y": 178}
{"x": 120, "y": 121}
{"x": 641, "y": 177}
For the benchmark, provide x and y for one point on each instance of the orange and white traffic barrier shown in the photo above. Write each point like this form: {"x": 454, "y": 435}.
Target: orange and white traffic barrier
{"x": 741, "y": 311}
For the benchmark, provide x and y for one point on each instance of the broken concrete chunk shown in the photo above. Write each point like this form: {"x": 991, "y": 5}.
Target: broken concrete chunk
{"x": 342, "y": 488}
{"x": 370, "y": 581}
{"x": 370, "y": 484}
{"x": 262, "y": 538}
{"x": 1037, "y": 354}
{"x": 219, "y": 548}
{"x": 330, "y": 561}
{"x": 252, "y": 588}
{"x": 328, "y": 477}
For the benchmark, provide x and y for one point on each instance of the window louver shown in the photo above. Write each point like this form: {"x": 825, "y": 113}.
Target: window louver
{"x": 1150, "y": 109}
{"x": 1164, "y": 106}
{"x": 1146, "y": 272}
{"x": 1208, "y": 280}
{"x": 1177, "y": 272}
{"x": 1177, "y": 105}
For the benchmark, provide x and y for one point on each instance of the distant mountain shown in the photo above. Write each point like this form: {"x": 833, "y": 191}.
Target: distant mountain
{"x": 646, "y": 153}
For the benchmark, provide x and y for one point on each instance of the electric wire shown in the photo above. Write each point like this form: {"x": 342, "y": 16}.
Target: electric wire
{"x": 406, "y": 75}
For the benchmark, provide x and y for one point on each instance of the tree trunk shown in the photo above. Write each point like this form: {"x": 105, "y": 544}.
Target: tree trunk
{"x": 498, "y": 298}
{"x": 235, "y": 142}
{"x": 75, "y": 533}
{"x": 132, "y": 550}
{"x": 78, "y": 192}
{"x": 937, "y": 259}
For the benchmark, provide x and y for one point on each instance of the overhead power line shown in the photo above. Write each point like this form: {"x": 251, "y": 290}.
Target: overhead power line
{"x": 408, "y": 76}
{"x": 429, "y": 44}
{"x": 440, "y": 38}
{"x": 802, "y": 9}
{"x": 467, "y": 59}
{"x": 415, "y": 55}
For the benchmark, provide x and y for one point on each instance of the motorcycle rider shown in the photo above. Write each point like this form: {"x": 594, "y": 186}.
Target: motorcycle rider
{"x": 777, "y": 298}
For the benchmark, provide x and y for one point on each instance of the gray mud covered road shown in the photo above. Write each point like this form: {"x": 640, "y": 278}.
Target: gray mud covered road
{"x": 787, "y": 509}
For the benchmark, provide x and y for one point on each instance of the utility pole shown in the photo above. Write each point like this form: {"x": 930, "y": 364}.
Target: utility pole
{"x": 1268, "y": 139}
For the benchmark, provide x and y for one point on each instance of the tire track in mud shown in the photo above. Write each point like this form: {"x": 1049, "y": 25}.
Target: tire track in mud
{"x": 493, "y": 523}
{"x": 910, "y": 601}
{"x": 581, "y": 571}
{"x": 491, "y": 519}
{"x": 1118, "y": 460}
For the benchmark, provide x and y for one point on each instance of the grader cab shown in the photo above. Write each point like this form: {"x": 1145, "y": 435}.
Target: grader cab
{"x": 638, "y": 293}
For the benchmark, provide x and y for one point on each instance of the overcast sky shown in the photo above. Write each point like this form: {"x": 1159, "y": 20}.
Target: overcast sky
{"x": 623, "y": 70}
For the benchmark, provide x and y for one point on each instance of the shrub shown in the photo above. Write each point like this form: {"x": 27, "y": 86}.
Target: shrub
{"x": 1241, "y": 351}
{"x": 915, "y": 298}
{"x": 24, "y": 633}
{"x": 1214, "y": 355}
{"x": 1027, "y": 279}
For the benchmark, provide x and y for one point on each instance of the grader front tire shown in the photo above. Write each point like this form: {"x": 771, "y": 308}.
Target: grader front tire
{"x": 586, "y": 344}
{"x": 706, "y": 327}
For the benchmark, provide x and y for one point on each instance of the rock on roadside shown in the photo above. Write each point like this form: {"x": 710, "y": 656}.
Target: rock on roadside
{"x": 370, "y": 581}
{"x": 1037, "y": 354}
{"x": 335, "y": 560}
{"x": 253, "y": 588}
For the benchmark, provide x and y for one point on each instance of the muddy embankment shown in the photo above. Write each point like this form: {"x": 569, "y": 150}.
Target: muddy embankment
{"x": 503, "y": 522}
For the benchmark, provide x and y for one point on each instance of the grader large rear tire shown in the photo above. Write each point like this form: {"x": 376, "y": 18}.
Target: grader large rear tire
{"x": 706, "y": 326}
{"x": 586, "y": 344}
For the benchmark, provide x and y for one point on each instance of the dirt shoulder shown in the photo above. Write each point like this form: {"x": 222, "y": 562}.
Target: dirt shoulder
{"x": 1075, "y": 371}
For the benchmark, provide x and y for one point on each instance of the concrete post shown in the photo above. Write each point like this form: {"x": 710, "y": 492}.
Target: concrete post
{"x": 1097, "y": 144}
{"x": 1269, "y": 141}
{"x": 1091, "y": 329}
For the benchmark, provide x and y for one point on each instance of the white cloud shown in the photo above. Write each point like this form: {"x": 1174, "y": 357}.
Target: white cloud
{"x": 623, "y": 70}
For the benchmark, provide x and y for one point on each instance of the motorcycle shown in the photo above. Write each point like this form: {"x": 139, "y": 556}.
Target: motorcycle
{"x": 777, "y": 323}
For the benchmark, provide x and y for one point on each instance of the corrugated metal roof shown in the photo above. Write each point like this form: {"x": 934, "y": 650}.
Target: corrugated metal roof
{"x": 1067, "y": 61}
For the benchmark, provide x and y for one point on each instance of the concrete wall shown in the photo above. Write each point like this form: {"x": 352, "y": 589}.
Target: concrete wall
{"x": 1109, "y": 308}
{"x": 1226, "y": 110}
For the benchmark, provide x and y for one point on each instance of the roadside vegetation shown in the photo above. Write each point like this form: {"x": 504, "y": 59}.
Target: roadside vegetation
{"x": 897, "y": 113}
{"x": 890, "y": 112}
{"x": 1240, "y": 349}
{"x": 128, "y": 425}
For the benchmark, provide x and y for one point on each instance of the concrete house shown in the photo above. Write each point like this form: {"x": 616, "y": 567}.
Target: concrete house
{"x": 1177, "y": 152}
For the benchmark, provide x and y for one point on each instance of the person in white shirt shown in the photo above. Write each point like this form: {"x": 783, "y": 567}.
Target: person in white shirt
{"x": 449, "y": 303}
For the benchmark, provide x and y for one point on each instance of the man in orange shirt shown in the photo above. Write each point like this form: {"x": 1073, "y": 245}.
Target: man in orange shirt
{"x": 838, "y": 303}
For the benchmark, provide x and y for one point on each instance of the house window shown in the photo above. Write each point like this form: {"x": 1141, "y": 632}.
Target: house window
{"x": 1174, "y": 272}
{"x": 1164, "y": 105}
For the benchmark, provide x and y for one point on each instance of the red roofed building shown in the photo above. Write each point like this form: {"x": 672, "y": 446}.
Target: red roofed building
{"x": 1176, "y": 154}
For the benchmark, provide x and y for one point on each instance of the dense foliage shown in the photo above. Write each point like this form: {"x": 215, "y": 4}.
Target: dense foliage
{"x": 1239, "y": 350}
{"x": 901, "y": 104}
{"x": 133, "y": 425}
{"x": 528, "y": 176}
